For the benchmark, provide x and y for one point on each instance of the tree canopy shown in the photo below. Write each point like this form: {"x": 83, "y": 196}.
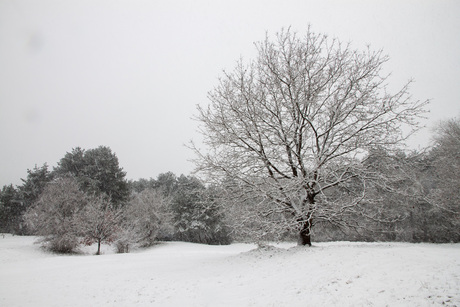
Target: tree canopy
{"x": 97, "y": 171}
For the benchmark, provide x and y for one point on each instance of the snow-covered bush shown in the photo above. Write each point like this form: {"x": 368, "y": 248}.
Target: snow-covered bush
{"x": 55, "y": 215}
{"x": 144, "y": 218}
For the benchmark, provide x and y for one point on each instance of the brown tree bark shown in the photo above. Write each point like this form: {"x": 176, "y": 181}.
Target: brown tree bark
{"x": 98, "y": 247}
{"x": 305, "y": 233}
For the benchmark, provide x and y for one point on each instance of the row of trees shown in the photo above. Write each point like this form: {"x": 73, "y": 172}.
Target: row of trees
{"x": 414, "y": 198}
{"x": 86, "y": 199}
{"x": 96, "y": 170}
{"x": 190, "y": 211}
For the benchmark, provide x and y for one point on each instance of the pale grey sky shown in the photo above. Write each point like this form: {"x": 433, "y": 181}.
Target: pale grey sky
{"x": 128, "y": 74}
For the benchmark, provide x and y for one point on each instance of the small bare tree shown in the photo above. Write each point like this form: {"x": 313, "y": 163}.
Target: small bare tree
{"x": 291, "y": 126}
{"x": 98, "y": 222}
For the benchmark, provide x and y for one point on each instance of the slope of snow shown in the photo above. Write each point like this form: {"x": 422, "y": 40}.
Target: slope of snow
{"x": 184, "y": 274}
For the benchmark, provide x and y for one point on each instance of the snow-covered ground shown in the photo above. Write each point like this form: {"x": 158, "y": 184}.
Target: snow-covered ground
{"x": 184, "y": 274}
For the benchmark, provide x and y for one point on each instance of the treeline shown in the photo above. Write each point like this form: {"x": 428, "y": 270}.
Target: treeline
{"x": 412, "y": 197}
{"x": 418, "y": 202}
{"x": 86, "y": 199}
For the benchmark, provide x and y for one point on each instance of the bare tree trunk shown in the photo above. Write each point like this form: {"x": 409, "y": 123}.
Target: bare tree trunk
{"x": 306, "y": 222}
{"x": 305, "y": 233}
{"x": 98, "y": 247}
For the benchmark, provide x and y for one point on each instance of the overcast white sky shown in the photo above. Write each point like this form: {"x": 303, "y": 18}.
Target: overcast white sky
{"x": 128, "y": 74}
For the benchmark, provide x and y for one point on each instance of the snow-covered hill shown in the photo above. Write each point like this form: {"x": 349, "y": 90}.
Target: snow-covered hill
{"x": 184, "y": 274}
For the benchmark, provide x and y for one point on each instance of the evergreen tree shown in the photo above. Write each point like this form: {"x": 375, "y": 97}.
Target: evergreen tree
{"x": 167, "y": 182}
{"x": 28, "y": 193}
{"x": 197, "y": 216}
{"x": 98, "y": 172}
{"x": 10, "y": 209}
{"x": 34, "y": 184}
{"x": 142, "y": 184}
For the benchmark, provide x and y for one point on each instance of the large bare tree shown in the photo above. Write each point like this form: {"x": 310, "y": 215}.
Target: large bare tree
{"x": 291, "y": 126}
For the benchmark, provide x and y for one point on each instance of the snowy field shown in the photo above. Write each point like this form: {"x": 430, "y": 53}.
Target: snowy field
{"x": 184, "y": 274}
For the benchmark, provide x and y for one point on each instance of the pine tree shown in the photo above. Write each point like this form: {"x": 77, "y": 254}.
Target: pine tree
{"x": 10, "y": 209}
{"x": 98, "y": 172}
{"x": 197, "y": 216}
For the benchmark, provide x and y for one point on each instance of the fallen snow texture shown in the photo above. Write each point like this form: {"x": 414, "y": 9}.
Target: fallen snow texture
{"x": 184, "y": 274}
